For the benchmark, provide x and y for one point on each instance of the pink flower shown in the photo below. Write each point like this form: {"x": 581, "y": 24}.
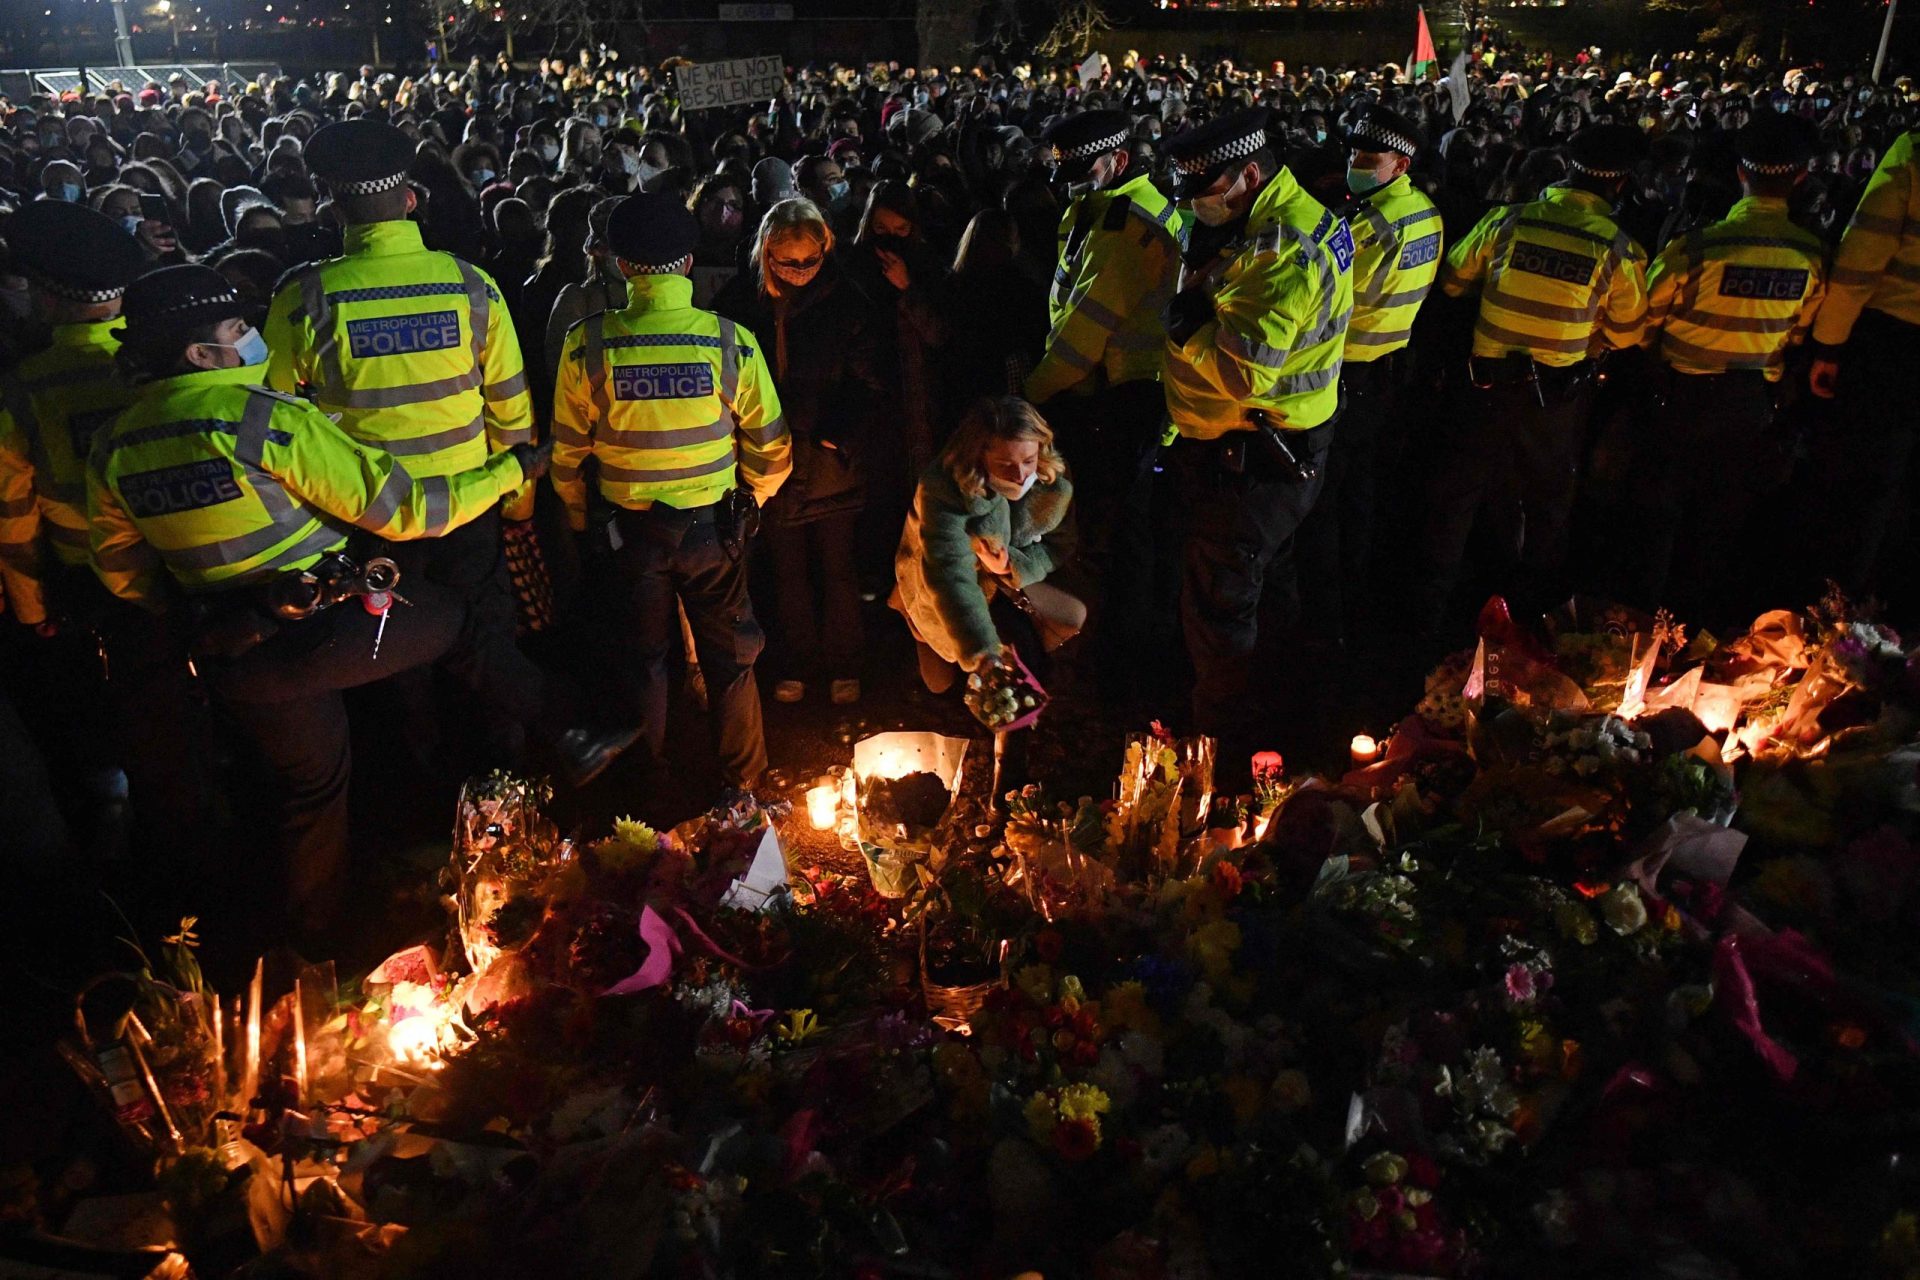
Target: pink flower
{"x": 1521, "y": 985}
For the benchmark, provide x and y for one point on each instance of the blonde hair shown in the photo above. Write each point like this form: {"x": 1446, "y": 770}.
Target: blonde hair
{"x": 794, "y": 218}
{"x": 999, "y": 418}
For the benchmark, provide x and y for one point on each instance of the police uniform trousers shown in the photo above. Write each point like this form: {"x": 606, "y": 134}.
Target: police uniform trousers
{"x": 1239, "y": 545}
{"x": 670, "y": 555}
{"x": 1110, "y": 440}
{"x": 283, "y": 695}
{"x": 1336, "y": 539}
{"x": 512, "y": 690}
{"x": 1712, "y": 453}
{"x": 1518, "y": 431}
{"x": 1862, "y": 469}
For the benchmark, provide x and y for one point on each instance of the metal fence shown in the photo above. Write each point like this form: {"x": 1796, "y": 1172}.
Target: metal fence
{"x": 21, "y": 81}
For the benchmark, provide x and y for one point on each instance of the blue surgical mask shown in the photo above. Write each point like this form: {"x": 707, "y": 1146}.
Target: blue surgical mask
{"x": 132, "y": 223}
{"x": 252, "y": 348}
{"x": 71, "y": 192}
{"x": 481, "y": 177}
{"x": 837, "y": 193}
{"x": 1361, "y": 181}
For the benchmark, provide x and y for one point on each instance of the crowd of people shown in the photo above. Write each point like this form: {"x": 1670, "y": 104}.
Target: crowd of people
{"x": 1228, "y": 373}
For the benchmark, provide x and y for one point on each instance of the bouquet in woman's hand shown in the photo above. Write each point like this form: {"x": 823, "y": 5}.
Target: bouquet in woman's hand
{"x": 1003, "y": 695}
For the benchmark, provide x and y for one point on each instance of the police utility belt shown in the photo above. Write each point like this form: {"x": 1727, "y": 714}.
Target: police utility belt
{"x": 1263, "y": 452}
{"x": 610, "y": 527}
{"x": 1517, "y": 368}
{"x": 228, "y": 624}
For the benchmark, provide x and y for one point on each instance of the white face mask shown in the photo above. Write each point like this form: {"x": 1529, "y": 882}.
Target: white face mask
{"x": 1216, "y": 211}
{"x": 1011, "y": 492}
{"x": 549, "y": 151}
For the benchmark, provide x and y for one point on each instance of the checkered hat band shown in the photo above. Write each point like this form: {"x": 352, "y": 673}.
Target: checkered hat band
{"x": 1592, "y": 172}
{"x": 66, "y": 291}
{"x": 1226, "y": 153}
{"x": 372, "y": 187}
{"x": 194, "y": 304}
{"x": 1087, "y": 150}
{"x": 664, "y": 269}
{"x": 1371, "y": 132}
{"x": 1772, "y": 170}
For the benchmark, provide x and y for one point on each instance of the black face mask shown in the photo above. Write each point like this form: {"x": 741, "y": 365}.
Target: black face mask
{"x": 272, "y": 239}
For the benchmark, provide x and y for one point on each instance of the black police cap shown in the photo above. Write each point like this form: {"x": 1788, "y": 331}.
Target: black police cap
{"x": 1773, "y": 143}
{"x": 1203, "y": 153}
{"x": 1378, "y": 129}
{"x": 74, "y": 252}
{"x": 1075, "y": 142}
{"x": 162, "y": 305}
{"x": 652, "y": 231}
{"x": 1606, "y": 150}
{"x": 360, "y": 157}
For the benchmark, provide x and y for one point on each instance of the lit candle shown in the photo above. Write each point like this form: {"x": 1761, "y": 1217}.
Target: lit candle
{"x": 1364, "y": 749}
{"x": 823, "y": 806}
{"x": 299, "y": 1044}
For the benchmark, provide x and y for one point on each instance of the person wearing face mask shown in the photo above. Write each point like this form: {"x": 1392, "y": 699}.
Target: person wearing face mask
{"x": 1396, "y": 255}
{"x": 1254, "y": 343}
{"x": 991, "y": 523}
{"x": 822, "y": 343}
{"x": 60, "y": 180}
{"x": 720, "y": 204}
{"x": 415, "y": 351}
{"x": 1099, "y": 376}
{"x": 666, "y": 422}
{"x": 1560, "y": 283}
{"x": 230, "y": 509}
{"x": 821, "y": 180}
{"x": 1864, "y": 338}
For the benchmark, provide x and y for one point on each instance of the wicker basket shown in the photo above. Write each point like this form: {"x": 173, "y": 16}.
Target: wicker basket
{"x": 955, "y": 1007}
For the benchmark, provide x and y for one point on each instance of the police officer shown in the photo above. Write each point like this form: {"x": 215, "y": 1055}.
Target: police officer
{"x": 661, "y": 414}
{"x": 1560, "y": 283}
{"x": 1254, "y": 341}
{"x": 1725, "y": 303}
{"x": 1396, "y": 239}
{"x": 1864, "y": 338}
{"x": 95, "y": 659}
{"x": 415, "y": 352}
{"x": 1099, "y": 380}
{"x": 211, "y": 486}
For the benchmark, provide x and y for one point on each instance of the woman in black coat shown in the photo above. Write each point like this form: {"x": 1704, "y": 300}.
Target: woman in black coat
{"x": 818, "y": 332}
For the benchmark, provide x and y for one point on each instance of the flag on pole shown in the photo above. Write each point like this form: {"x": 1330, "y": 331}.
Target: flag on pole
{"x": 1423, "y": 59}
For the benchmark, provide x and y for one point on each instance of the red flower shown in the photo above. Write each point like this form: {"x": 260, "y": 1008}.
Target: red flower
{"x": 1226, "y": 878}
{"x": 1048, "y": 944}
{"x": 1075, "y": 1139}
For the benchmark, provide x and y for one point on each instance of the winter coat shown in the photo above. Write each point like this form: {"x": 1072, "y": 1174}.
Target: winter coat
{"x": 821, "y": 344}
{"x": 942, "y": 588}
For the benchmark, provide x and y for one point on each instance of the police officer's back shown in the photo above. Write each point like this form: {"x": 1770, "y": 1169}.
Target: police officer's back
{"x": 1560, "y": 284}
{"x": 665, "y": 420}
{"x": 1252, "y": 381}
{"x": 212, "y": 488}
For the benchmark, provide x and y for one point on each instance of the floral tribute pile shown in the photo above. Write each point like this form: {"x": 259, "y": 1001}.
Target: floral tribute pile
{"x": 1604, "y": 969}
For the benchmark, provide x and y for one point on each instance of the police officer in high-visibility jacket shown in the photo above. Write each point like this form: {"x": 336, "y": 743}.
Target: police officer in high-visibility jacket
{"x": 1726, "y": 302}
{"x": 667, "y": 429}
{"x": 1864, "y": 338}
{"x": 1098, "y": 382}
{"x": 1560, "y": 284}
{"x": 212, "y": 487}
{"x": 77, "y": 263}
{"x": 415, "y": 353}
{"x": 1254, "y": 341}
{"x": 1396, "y": 254}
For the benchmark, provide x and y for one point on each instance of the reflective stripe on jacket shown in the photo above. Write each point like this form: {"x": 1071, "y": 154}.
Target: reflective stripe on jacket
{"x": 674, "y": 402}
{"x": 52, "y": 404}
{"x": 413, "y": 349}
{"x": 1559, "y": 279}
{"x": 1282, "y": 297}
{"x": 1878, "y": 262}
{"x": 1119, "y": 260}
{"x": 1735, "y": 295}
{"x": 1396, "y": 255}
{"x": 226, "y": 484}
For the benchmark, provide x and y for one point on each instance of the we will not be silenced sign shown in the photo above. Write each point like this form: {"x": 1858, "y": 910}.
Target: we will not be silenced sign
{"x": 730, "y": 83}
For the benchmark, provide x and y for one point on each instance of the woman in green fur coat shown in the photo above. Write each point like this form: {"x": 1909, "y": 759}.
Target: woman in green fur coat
{"x": 991, "y": 517}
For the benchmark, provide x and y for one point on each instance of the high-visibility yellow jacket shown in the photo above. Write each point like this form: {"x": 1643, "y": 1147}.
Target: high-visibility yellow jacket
{"x": 1878, "y": 262}
{"x": 51, "y": 406}
{"x": 1119, "y": 261}
{"x": 676, "y": 403}
{"x": 1559, "y": 280}
{"x": 1396, "y": 255}
{"x": 413, "y": 349}
{"x": 1735, "y": 295}
{"x": 1282, "y": 296}
{"x": 225, "y": 484}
